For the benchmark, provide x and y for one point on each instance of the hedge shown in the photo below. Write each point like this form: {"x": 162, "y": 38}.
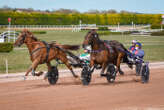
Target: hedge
{"x": 6, "y": 47}
{"x": 156, "y": 26}
{"x": 112, "y": 33}
{"x": 33, "y": 18}
{"x": 39, "y": 32}
{"x": 161, "y": 33}
{"x": 102, "y": 28}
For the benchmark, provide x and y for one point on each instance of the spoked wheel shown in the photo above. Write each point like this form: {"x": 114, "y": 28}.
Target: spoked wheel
{"x": 86, "y": 75}
{"x": 53, "y": 75}
{"x": 111, "y": 74}
{"x": 145, "y": 74}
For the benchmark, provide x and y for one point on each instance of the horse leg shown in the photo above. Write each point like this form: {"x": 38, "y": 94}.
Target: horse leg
{"x": 120, "y": 71}
{"x": 49, "y": 69}
{"x": 120, "y": 56}
{"x": 65, "y": 61}
{"x": 27, "y": 72}
{"x": 33, "y": 67}
{"x": 103, "y": 69}
{"x": 70, "y": 68}
{"x": 91, "y": 64}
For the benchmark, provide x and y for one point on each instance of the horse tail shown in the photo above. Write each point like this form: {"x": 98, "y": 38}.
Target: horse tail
{"x": 70, "y": 47}
{"x": 73, "y": 56}
{"x": 125, "y": 58}
{"x": 69, "y": 53}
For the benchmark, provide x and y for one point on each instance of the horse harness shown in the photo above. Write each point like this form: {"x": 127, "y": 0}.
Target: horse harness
{"x": 109, "y": 47}
{"x": 47, "y": 46}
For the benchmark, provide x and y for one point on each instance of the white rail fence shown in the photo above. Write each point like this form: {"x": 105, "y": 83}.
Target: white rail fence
{"x": 8, "y": 36}
{"x": 75, "y": 28}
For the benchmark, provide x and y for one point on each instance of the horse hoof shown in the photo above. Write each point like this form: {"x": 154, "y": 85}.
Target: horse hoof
{"x": 40, "y": 73}
{"x": 24, "y": 77}
{"x": 130, "y": 66}
{"x": 121, "y": 72}
{"x": 76, "y": 76}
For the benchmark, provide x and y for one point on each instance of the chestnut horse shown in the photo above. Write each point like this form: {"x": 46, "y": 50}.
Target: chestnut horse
{"x": 42, "y": 52}
{"x": 104, "y": 52}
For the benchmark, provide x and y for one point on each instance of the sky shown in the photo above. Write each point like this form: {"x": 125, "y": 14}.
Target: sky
{"x": 140, "y": 6}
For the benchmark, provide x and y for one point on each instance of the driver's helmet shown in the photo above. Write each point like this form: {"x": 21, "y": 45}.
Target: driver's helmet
{"x": 138, "y": 45}
{"x": 134, "y": 41}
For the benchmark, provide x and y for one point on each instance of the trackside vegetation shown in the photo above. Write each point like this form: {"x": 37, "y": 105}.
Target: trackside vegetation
{"x": 6, "y": 47}
{"x": 36, "y": 18}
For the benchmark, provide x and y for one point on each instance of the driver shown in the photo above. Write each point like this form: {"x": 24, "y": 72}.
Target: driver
{"x": 85, "y": 56}
{"x": 138, "y": 52}
{"x": 134, "y": 45}
{"x": 135, "y": 51}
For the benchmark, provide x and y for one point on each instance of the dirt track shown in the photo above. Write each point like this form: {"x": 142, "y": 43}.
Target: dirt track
{"x": 127, "y": 93}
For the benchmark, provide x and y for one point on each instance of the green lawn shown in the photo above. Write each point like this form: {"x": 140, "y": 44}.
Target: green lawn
{"x": 19, "y": 59}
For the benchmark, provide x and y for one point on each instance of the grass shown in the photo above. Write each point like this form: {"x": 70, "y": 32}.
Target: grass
{"x": 19, "y": 59}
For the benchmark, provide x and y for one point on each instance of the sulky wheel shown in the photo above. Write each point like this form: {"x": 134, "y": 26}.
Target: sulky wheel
{"x": 145, "y": 74}
{"x": 53, "y": 75}
{"x": 86, "y": 75}
{"x": 111, "y": 74}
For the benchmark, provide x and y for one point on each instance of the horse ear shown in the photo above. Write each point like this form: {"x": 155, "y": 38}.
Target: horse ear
{"x": 25, "y": 30}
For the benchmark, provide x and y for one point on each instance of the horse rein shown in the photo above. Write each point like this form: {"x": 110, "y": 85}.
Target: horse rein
{"x": 47, "y": 46}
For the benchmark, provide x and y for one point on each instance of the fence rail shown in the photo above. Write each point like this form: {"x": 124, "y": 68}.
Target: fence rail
{"x": 8, "y": 36}
{"x": 71, "y": 27}
{"x": 77, "y": 28}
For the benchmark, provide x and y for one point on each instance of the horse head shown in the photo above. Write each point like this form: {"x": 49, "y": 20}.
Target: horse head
{"x": 24, "y": 37}
{"x": 90, "y": 38}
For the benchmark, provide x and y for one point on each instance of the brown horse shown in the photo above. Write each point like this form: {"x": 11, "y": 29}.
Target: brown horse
{"x": 42, "y": 52}
{"x": 105, "y": 52}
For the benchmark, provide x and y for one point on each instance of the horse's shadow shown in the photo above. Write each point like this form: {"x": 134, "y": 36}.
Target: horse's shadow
{"x": 92, "y": 84}
{"x": 47, "y": 85}
{"x": 115, "y": 83}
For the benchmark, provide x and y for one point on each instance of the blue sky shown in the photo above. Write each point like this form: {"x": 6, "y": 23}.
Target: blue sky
{"x": 141, "y": 6}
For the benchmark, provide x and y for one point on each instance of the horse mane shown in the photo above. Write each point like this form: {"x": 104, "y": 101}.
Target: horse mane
{"x": 34, "y": 38}
{"x": 30, "y": 34}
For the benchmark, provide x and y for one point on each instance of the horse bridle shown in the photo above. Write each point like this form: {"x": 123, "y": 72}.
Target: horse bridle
{"x": 90, "y": 43}
{"x": 94, "y": 35}
{"x": 23, "y": 38}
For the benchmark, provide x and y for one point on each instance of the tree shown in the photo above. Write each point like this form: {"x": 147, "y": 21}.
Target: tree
{"x": 65, "y": 11}
{"x": 93, "y": 12}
